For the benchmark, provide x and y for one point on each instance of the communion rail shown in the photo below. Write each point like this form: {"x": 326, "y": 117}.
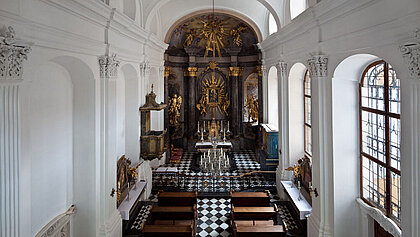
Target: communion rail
{"x": 215, "y": 184}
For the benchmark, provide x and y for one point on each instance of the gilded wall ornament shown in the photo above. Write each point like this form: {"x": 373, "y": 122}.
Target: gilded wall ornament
{"x": 235, "y": 71}
{"x": 174, "y": 109}
{"x": 190, "y": 72}
{"x": 251, "y": 105}
{"x": 213, "y": 95}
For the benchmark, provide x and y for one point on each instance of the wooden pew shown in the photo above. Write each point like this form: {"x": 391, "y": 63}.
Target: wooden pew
{"x": 253, "y": 213}
{"x": 250, "y": 199}
{"x": 252, "y": 231}
{"x": 253, "y": 223}
{"x": 173, "y": 213}
{"x": 177, "y": 198}
{"x": 168, "y": 230}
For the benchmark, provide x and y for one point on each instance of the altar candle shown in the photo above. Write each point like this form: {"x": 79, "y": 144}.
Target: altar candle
{"x": 198, "y": 127}
{"x": 228, "y": 126}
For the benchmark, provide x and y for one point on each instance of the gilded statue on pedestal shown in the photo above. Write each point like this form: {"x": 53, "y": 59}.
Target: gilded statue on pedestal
{"x": 174, "y": 109}
{"x": 252, "y": 105}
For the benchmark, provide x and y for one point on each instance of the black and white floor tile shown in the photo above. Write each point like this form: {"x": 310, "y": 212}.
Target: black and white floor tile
{"x": 213, "y": 217}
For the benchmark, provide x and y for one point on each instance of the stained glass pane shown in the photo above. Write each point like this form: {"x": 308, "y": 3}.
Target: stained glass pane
{"x": 394, "y": 92}
{"x": 373, "y": 88}
{"x": 308, "y": 140}
{"x": 373, "y": 135}
{"x": 395, "y": 142}
{"x": 396, "y": 196}
{"x": 374, "y": 180}
{"x": 308, "y": 111}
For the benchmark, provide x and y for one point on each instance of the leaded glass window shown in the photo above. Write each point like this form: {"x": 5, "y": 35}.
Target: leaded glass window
{"x": 307, "y": 114}
{"x": 380, "y": 138}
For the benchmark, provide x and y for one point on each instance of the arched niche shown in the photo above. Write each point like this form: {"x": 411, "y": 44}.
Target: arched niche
{"x": 296, "y": 112}
{"x": 130, "y": 113}
{"x": 346, "y": 169}
{"x": 273, "y": 97}
{"x": 250, "y": 89}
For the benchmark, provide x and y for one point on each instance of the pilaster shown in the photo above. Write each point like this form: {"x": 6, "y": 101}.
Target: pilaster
{"x": 190, "y": 75}
{"x": 108, "y": 66}
{"x": 410, "y": 140}
{"x": 322, "y": 160}
{"x": 283, "y": 103}
{"x": 13, "y": 52}
{"x": 235, "y": 73}
{"x": 145, "y": 70}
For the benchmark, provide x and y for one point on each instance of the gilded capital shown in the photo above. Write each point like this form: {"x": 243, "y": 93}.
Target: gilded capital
{"x": 259, "y": 70}
{"x": 235, "y": 71}
{"x": 411, "y": 55}
{"x": 318, "y": 66}
{"x": 167, "y": 71}
{"x": 190, "y": 72}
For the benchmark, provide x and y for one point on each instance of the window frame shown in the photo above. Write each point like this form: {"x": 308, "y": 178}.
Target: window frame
{"x": 305, "y": 124}
{"x": 387, "y": 115}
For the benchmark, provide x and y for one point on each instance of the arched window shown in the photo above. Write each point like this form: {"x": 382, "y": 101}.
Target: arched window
{"x": 307, "y": 114}
{"x": 380, "y": 138}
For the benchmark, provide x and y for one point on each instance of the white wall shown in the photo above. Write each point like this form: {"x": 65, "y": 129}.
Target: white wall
{"x": 47, "y": 143}
{"x": 296, "y": 116}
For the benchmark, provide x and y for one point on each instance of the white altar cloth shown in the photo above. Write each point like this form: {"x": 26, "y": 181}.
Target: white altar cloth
{"x": 126, "y": 205}
{"x": 302, "y": 205}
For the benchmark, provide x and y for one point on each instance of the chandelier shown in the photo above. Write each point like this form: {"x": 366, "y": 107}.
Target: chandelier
{"x": 214, "y": 161}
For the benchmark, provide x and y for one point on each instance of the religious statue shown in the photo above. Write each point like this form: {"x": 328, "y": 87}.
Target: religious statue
{"x": 174, "y": 109}
{"x": 236, "y": 34}
{"x": 189, "y": 37}
{"x": 252, "y": 106}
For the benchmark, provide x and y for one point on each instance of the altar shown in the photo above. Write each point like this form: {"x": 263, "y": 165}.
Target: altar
{"x": 203, "y": 146}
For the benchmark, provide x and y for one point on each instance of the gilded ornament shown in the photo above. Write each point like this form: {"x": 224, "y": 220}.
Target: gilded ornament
{"x": 251, "y": 105}
{"x": 174, "y": 109}
{"x": 213, "y": 95}
{"x": 167, "y": 71}
{"x": 190, "y": 72}
{"x": 235, "y": 71}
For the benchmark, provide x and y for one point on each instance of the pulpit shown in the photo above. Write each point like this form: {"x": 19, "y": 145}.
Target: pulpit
{"x": 152, "y": 143}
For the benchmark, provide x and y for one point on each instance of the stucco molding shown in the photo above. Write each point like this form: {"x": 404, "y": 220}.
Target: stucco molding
{"x": 318, "y": 66}
{"x": 13, "y": 52}
{"x": 389, "y": 225}
{"x": 59, "y": 226}
{"x": 108, "y": 66}
{"x": 145, "y": 68}
{"x": 411, "y": 54}
{"x": 282, "y": 68}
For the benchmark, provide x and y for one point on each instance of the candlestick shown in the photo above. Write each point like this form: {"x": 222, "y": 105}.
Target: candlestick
{"x": 198, "y": 127}
{"x": 228, "y": 127}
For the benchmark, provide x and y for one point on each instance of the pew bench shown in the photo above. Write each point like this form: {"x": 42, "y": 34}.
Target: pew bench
{"x": 173, "y": 213}
{"x": 253, "y": 213}
{"x": 177, "y": 198}
{"x": 168, "y": 230}
{"x": 252, "y": 231}
{"x": 250, "y": 199}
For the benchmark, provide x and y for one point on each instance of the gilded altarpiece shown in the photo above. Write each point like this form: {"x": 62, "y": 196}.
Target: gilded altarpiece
{"x": 211, "y": 81}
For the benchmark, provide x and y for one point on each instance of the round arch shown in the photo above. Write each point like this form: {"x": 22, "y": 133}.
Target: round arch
{"x": 273, "y": 97}
{"x": 240, "y": 16}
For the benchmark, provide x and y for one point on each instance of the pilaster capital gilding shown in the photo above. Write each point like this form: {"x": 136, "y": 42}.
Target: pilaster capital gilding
{"x": 261, "y": 70}
{"x": 190, "y": 72}
{"x": 167, "y": 71}
{"x": 235, "y": 71}
{"x": 318, "y": 66}
{"x": 411, "y": 54}
{"x": 13, "y": 52}
{"x": 108, "y": 66}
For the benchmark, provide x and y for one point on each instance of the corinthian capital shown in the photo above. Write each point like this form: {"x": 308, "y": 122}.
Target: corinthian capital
{"x": 282, "y": 67}
{"x": 411, "y": 55}
{"x": 145, "y": 68}
{"x": 108, "y": 66}
{"x": 318, "y": 66}
{"x": 12, "y": 54}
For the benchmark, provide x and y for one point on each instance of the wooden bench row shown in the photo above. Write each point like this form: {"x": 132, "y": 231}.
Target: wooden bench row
{"x": 175, "y": 215}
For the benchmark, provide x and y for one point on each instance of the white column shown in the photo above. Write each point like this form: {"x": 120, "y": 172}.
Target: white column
{"x": 109, "y": 218}
{"x": 12, "y": 55}
{"x": 283, "y": 92}
{"x": 321, "y": 220}
{"x": 410, "y": 141}
{"x": 144, "y": 80}
{"x": 265, "y": 93}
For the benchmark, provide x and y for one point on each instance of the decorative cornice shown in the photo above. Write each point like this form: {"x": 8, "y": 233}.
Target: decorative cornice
{"x": 190, "y": 72}
{"x": 389, "y": 225}
{"x": 411, "y": 55}
{"x": 167, "y": 71}
{"x": 235, "y": 71}
{"x": 108, "y": 66}
{"x": 12, "y": 54}
{"x": 318, "y": 66}
{"x": 145, "y": 68}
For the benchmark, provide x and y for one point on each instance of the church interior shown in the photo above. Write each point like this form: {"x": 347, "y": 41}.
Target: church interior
{"x": 209, "y": 118}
